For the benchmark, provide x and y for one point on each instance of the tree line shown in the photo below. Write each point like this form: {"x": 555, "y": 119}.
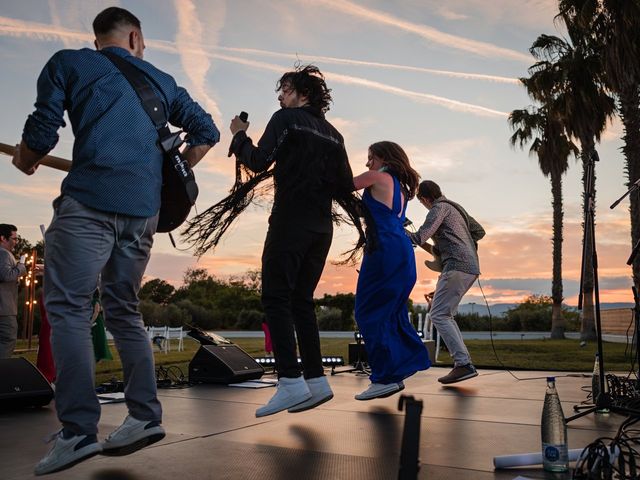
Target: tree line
{"x": 211, "y": 303}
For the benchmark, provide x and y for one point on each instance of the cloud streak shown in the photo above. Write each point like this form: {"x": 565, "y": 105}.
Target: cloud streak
{"x": 47, "y": 32}
{"x": 362, "y": 63}
{"x": 195, "y": 61}
{"x": 475, "y": 47}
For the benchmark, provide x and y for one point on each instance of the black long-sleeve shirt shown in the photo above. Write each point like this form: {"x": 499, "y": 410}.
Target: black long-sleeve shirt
{"x": 311, "y": 166}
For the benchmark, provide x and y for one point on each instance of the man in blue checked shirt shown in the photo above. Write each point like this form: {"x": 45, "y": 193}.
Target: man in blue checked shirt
{"x": 103, "y": 227}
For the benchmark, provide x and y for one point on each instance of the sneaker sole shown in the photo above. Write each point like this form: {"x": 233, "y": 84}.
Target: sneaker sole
{"x": 68, "y": 465}
{"x": 459, "y": 379}
{"x": 299, "y": 408}
{"x": 133, "y": 447}
{"x": 384, "y": 395}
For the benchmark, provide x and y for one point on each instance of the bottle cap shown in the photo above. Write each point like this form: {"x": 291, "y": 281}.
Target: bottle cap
{"x": 551, "y": 379}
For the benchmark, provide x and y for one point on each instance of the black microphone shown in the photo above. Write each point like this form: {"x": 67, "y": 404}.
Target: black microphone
{"x": 244, "y": 116}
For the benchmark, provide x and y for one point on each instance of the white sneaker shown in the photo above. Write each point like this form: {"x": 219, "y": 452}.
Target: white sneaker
{"x": 291, "y": 392}
{"x": 65, "y": 453}
{"x": 380, "y": 390}
{"x": 131, "y": 436}
{"x": 320, "y": 393}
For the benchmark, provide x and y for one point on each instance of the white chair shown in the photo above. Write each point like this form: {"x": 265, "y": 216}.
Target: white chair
{"x": 175, "y": 334}
{"x": 159, "y": 337}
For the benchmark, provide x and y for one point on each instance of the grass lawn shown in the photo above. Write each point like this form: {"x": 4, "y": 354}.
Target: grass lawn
{"x": 565, "y": 355}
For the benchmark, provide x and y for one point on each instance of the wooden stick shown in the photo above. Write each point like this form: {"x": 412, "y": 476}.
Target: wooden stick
{"x": 48, "y": 161}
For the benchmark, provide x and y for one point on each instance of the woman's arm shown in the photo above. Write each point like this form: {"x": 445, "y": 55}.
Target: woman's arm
{"x": 365, "y": 179}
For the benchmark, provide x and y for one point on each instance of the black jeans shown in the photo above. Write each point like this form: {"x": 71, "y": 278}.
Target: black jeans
{"x": 292, "y": 263}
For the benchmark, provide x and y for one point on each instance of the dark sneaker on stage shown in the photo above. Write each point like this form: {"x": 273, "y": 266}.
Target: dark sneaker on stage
{"x": 66, "y": 452}
{"x": 131, "y": 436}
{"x": 459, "y": 373}
{"x": 380, "y": 390}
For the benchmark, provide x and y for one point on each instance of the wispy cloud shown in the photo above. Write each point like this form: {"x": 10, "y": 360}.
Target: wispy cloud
{"x": 48, "y": 32}
{"x": 195, "y": 61}
{"x": 361, "y": 63}
{"x": 475, "y": 47}
{"x": 40, "y": 31}
{"x": 418, "y": 96}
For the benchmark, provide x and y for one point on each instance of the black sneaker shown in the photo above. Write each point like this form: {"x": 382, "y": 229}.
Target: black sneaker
{"x": 459, "y": 373}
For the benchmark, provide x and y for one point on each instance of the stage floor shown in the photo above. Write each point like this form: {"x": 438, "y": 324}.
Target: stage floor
{"x": 212, "y": 432}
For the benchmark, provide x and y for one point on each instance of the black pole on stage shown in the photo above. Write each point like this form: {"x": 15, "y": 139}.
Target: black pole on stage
{"x": 603, "y": 400}
{"x": 409, "y": 454}
{"x": 359, "y": 367}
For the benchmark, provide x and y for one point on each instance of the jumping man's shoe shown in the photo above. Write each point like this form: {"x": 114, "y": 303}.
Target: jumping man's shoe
{"x": 66, "y": 452}
{"x": 459, "y": 373}
{"x": 380, "y": 390}
{"x": 131, "y": 436}
{"x": 291, "y": 392}
{"x": 320, "y": 393}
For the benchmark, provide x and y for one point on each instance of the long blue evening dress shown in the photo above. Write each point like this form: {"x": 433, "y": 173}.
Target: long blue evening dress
{"x": 387, "y": 276}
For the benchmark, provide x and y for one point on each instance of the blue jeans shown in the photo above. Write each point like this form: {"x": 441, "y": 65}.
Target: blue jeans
{"x": 84, "y": 246}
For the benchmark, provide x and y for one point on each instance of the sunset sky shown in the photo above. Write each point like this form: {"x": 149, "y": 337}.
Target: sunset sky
{"x": 439, "y": 78}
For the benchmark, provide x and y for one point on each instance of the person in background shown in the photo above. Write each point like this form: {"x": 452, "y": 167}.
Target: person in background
{"x": 10, "y": 273}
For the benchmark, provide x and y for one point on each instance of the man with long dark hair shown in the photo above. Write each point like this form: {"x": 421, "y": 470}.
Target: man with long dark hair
{"x": 103, "y": 226}
{"x": 311, "y": 171}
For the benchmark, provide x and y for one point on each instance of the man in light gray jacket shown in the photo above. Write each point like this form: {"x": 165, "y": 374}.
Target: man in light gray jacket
{"x": 10, "y": 272}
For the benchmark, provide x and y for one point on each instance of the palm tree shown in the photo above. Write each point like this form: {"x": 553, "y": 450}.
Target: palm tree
{"x": 570, "y": 74}
{"x": 618, "y": 32}
{"x": 552, "y": 147}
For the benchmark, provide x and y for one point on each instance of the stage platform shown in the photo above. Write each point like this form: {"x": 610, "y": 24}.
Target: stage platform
{"x": 212, "y": 432}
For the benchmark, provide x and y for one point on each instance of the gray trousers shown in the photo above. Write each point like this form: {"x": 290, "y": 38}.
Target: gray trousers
{"x": 450, "y": 289}
{"x": 8, "y": 335}
{"x": 84, "y": 246}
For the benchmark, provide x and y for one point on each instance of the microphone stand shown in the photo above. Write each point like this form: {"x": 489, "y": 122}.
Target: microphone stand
{"x": 604, "y": 399}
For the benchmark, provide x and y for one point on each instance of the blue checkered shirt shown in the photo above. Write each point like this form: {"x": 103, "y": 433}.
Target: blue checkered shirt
{"x": 117, "y": 164}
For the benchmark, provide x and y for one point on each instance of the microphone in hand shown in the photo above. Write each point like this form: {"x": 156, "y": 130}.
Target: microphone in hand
{"x": 244, "y": 116}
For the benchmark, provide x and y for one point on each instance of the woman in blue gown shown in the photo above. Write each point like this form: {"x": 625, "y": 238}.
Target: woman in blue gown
{"x": 388, "y": 273}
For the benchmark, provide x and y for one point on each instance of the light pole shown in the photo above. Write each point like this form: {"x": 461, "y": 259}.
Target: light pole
{"x": 473, "y": 304}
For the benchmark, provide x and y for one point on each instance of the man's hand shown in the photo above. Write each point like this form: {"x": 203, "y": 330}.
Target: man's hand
{"x": 28, "y": 163}
{"x": 237, "y": 125}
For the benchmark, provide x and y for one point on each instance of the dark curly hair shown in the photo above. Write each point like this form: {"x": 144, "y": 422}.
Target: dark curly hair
{"x": 309, "y": 82}
{"x": 6, "y": 229}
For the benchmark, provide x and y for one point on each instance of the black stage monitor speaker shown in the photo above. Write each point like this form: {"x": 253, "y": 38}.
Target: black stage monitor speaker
{"x": 223, "y": 364}
{"x": 22, "y": 385}
{"x": 357, "y": 352}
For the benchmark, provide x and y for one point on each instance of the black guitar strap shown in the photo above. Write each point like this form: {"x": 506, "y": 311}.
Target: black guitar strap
{"x": 169, "y": 142}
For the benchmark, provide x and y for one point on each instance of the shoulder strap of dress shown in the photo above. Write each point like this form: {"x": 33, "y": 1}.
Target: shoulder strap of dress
{"x": 397, "y": 199}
